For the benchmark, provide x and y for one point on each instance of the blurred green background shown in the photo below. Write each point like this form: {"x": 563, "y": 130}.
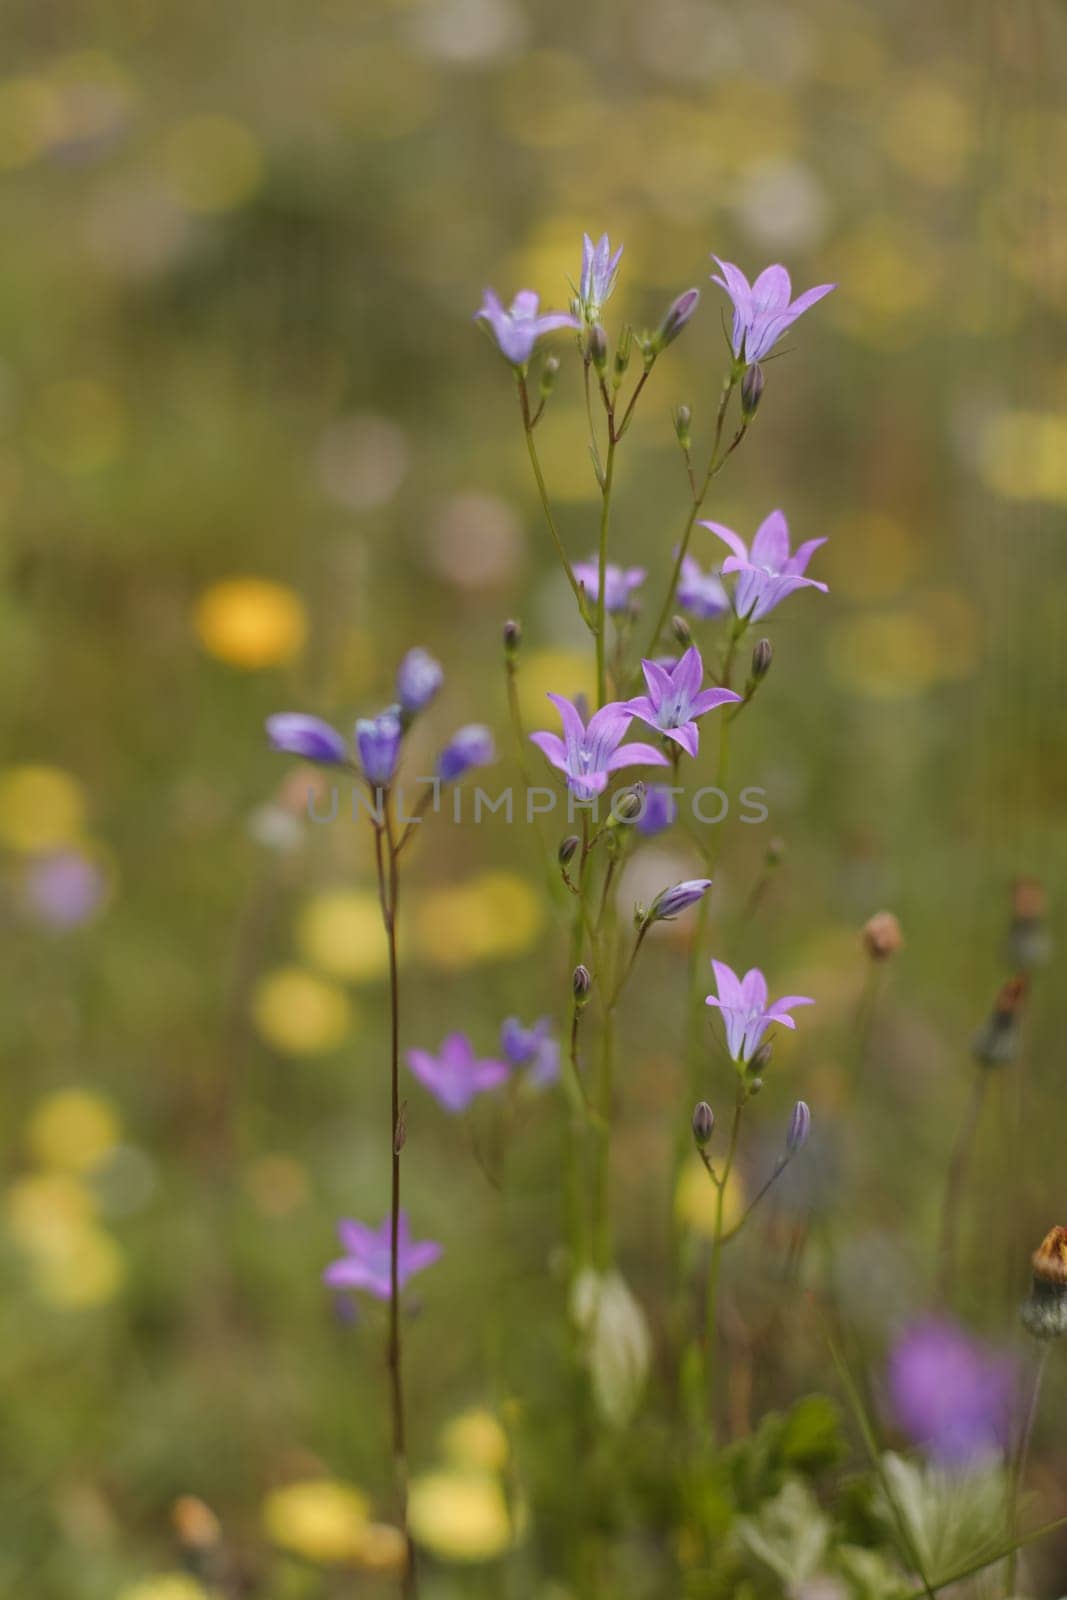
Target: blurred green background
{"x": 251, "y": 449}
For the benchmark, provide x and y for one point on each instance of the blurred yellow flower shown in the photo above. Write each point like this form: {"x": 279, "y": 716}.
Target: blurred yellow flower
{"x": 566, "y": 672}
{"x": 73, "y": 1129}
{"x": 88, "y": 1272}
{"x": 320, "y": 1519}
{"x": 490, "y": 918}
{"x": 299, "y": 1013}
{"x": 214, "y": 163}
{"x": 251, "y": 622}
{"x": 460, "y": 1516}
{"x": 476, "y": 1440}
{"x": 40, "y": 808}
{"x": 45, "y": 1211}
{"x": 30, "y": 117}
{"x": 696, "y": 1198}
{"x": 340, "y": 932}
{"x": 77, "y": 425}
{"x": 166, "y": 1586}
{"x": 885, "y": 655}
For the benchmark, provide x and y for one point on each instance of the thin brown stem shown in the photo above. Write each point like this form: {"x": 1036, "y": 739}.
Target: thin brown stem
{"x": 955, "y": 1181}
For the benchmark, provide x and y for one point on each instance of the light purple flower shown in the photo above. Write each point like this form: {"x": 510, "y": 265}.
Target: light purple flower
{"x": 676, "y": 696}
{"x": 763, "y": 310}
{"x": 701, "y": 593}
{"x": 799, "y": 1128}
{"x": 65, "y": 889}
{"x": 599, "y": 271}
{"x": 588, "y": 755}
{"x": 455, "y": 1076}
{"x": 366, "y": 1262}
{"x": 949, "y": 1393}
{"x": 378, "y": 740}
{"x": 309, "y": 737}
{"x": 745, "y": 1011}
{"x": 471, "y": 747}
{"x": 518, "y": 329}
{"x": 418, "y": 679}
{"x": 660, "y": 811}
{"x": 670, "y": 903}
{"x": 619, "y": 583}
{"x": 767, "y": 573}
{"x": 533, "y": 1048}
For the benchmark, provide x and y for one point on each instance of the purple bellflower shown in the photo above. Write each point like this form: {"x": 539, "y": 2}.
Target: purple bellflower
{"x": 455, "y": 1076}
{"x": 659, "y": 811}
{"x": 619, "y": 583}
{"x": 518, "y": 329}
{"x": 676, "y": 697}
{"x": 949, "y": 1393}
{"x": 533, "y": 1048}
{"x": 418, "y": 679}
{"x": 589, "y": 754}
{"x": 763, "y": 310}
{"x": 471, "y": 746}
{"x": 768, "y": 572}
{"x": 600, "y": 269}
{"x": 378, "y": 741}
{"x": 366, "y": 1261}
{"x": 745, "y": 1011}
{"x": 309, "y": 737}
{"x": 701, "y": 593}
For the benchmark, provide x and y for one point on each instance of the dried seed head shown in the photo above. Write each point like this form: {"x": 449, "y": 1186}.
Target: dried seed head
{"x": 1044, "y": 1312}
{"x": 997, "y": 1042}
{"x": 882, "y": 936}
{"x": 1050, "y": 1258}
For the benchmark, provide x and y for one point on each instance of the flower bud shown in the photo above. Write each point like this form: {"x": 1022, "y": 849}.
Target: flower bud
{"x": 799, "y": 1128}
{"x": 683, "y": 420}
{"x": 549, "y": 369}
{"x": 762, "y": 656}
{"x": 761, "y": 1058}
{"x": 512, "y": 636}
{"x": 682, "y": 632}
{"x": 775, "y": 852}
{"x": 678, "y": 314}
{"x": 997, "y": 1042}
{"x": 622, "y": 354}
{"x": 472, "y": 746}
{"x": 755, "y": 1086}
{"x": 628, "y": 804}
{"x": 598, "y": 348}
{"x": 581, "y": 983}
{"x": 703, "y": 1123}
{"x": 882, "y": 937}
{"x": 1044, "y": 1313}
{"x": 670, "y": 903}
{"x": 567, "y": 848}
{"x": 751, "y": 391}
{"x": 418, "y": 679}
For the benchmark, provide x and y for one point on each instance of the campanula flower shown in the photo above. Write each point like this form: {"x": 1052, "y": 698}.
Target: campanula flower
{"x": 745, "y": 1011}
{"x": 518, "y": 329}
{"x": 659, "y": 811}
{"x": 378, "y": 741}
{"x": 418, "y": 679}
{"x": 670, "y": 903}
{"x": 600, "y": 269}
{"x": 309, "y": 737}
{"x": 676, "y": 697}
{"x": 471, "y": 747}
{"x": 701, "y": 593}
{"x": 533, "y": 1048}
{"x": 366, "y": 1261}
{"x": 768, "y": 572}
{"x": 949, "y": 1393}
{"x": 763, "y": 310}
{"x": 619, "y": 583}
{"x": 455, "y": 1076}
{"x": 589, "y": 754}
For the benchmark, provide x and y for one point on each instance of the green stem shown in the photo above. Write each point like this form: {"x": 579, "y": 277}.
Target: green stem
{"x": 539, "y": 478}
{"x": 602, "y": 565}
{"x": 711, "y": 1316}
{"x": 959, "y": 1162}
{"x": 1017, "y": 1477}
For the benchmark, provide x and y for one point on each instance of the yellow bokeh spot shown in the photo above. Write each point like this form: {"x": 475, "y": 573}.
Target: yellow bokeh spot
{"x": 320, "y": 1519}
{"x": 341, "y": 933}
{"x": 871, "y": 557}
{"x": 696, "y": 1200}
{"x": 565, "y": 672}
{"x": 886, "y": 655}
{"x": 382, "y": 92}
{"x": 165, "y": 1586}
{"x": 214, "y": 163}
{"x": 251, "y": 622}
{"x": 380, "y": 1548}
{"x": 277, "y": 1184}
{"x": 77, "y": 425}
{"x": 476, "y": 1440}
{"x": 30, "y": 118}
{"x": 73, "y": 1129}
{"x": 491, "y": 918}
{"x": 1024, "y": 456}
{"x": 88, "y": 1272}
{"x": 46, "y": 1211}
{"x": 300, "y": 1014}
{"x": 547, "y": 101}
{"x": 41, "y": 808}
{"x": 929, "y": 133}
{"x": 460, "y": 1516}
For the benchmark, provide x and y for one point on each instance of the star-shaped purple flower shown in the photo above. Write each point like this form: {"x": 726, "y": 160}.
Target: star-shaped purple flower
{"x": 518, "y": 329}
{"x": 588, "y": 755}
{"x": 599, "y": 271}
{"x": 366, "y": 1261}
{"x": 676, "y": 697}
{"x": 619, "y": 583}
{"x": 745, "y": 1011}
{"x": 533, "y": 1048}
{"x": 763, "y": 310}
{"x": 455, "y": 1076}
{"x": 701, "y": 593}
{"x": 767, "y": 572}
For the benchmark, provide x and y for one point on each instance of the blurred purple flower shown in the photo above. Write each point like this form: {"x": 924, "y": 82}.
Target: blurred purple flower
{"x": 378, "y": 739}
{"x": 670, "y": 903}
{"x": 676, "y": 697}
{"x": 950, "y": 1393}
{"x": 743, "y": 1003}
{"x": 701, "y": 593}
{"x": 763, "y": 310}
{"x": 599, "y": 271}
{"x": 471, "y": 747}
{"x": 455, "y": 1076}
{"x": 64, "y": 889}
{"x": 418, "y": 679}
{"x": 660, "y": 810}
{"x": 619, "y": 583}
{"x": 309, "y": 737}
{"x": 588, "y": 755}
{"x": 767, "y": 573}
{"x": 533, "y": 1048}
{"x": 366, "y": 1262}
{"x": 518, "y": 329}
